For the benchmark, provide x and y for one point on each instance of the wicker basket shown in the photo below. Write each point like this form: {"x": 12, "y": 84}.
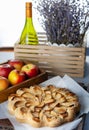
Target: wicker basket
{"x": 55, "y": 60}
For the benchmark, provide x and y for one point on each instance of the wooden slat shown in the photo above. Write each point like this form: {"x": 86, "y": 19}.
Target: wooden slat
{"x": 51, "y": 57}
{"x": 61, "y": 61}
{"x": 49, "y": 52}
{"x": 50, "y": 47}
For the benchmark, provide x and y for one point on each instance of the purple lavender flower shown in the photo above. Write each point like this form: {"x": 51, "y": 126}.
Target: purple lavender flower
{"x": 65, "y": 21}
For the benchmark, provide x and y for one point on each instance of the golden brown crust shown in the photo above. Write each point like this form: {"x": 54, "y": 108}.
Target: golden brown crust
{"x": 44, "y": 106}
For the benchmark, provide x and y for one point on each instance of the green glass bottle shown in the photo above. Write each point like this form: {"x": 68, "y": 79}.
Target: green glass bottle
{"x": 29, "y": 35}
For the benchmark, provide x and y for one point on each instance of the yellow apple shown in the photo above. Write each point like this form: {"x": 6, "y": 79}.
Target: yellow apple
{"x": 16, "y": 77}
{"x": 4, "y": 83}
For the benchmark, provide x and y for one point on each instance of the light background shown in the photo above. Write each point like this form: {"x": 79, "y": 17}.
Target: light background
{"x": 12, "y": 19}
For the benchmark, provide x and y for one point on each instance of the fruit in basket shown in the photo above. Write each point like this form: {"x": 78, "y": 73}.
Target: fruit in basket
{"x": 30, "y": 69}
{"x": 16, "y": 63}
{"x": 5, "y": 69}
{"x": 16, "y": 76}
{"x": 4, "y": 83}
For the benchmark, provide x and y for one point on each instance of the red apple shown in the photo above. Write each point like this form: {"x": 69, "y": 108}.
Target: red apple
{"x": 5, "y": 69}
{"x": 15, "y": 77}
{"x": 16, "y": 63}
{"x": 30, "y": 69}
{"x": 4, "y": 83}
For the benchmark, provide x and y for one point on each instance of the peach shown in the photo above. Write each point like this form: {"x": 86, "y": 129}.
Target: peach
{"x": 4, "y": 83}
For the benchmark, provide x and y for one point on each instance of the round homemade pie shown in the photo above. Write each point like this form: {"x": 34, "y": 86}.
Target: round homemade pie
{"x": 44, "y": 106}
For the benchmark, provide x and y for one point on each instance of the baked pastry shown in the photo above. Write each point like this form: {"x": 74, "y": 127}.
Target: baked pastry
{"x": 44, "y": 106}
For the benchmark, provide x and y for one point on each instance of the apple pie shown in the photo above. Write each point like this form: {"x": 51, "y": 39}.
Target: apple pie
{"x": 44, "y": 106}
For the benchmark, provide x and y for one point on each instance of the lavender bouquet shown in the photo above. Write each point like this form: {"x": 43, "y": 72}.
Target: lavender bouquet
{"x": 65, "y": 21}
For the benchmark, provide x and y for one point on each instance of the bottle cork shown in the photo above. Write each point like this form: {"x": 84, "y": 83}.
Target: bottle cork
{"x": 28, "y": 4}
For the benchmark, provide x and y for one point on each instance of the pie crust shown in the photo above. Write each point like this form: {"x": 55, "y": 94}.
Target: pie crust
{"x": 44, "y": 106}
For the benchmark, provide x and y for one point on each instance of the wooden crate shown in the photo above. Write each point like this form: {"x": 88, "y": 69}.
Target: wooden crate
{"x": 27, "y": 83}
{"x": 55, "y": 60}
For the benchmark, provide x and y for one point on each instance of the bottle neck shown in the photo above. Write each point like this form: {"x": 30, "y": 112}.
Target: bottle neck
{"x": 29, "y": 12}
{"x": 28, "y": 21}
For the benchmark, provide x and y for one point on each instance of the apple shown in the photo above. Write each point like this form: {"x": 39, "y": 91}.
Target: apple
{"x": 5, "y": 69}
{"x": 30, "y": 69}
{"x": 4, "y": 83}
{"x": 16, "y": 63}
{"x": 16, "y": 76}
